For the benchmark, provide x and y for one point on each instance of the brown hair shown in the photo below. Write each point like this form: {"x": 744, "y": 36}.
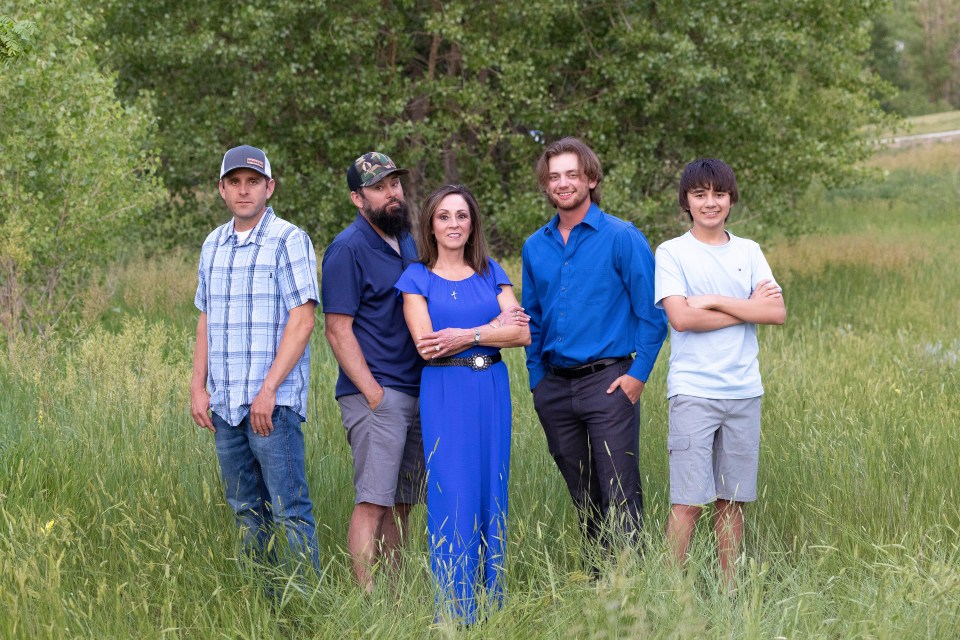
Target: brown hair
{"x": 475, "y": 253}
{"x": 589, "y": 164}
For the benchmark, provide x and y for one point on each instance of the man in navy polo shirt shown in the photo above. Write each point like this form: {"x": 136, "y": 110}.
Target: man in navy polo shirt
{"x": 588, "y": 287}
{"x": 378, "y": 387}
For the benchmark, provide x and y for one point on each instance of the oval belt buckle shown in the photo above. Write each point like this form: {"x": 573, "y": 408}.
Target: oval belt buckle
{"x": 480, "y": 363}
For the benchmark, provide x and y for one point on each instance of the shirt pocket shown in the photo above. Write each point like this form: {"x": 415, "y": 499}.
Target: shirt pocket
{"x": 263, "y": 281}
{"x": 677, "y": 443}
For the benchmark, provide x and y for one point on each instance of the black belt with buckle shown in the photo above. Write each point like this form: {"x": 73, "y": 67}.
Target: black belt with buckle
{"x": 572, "y": 373}
{"x": 477, "y": 363}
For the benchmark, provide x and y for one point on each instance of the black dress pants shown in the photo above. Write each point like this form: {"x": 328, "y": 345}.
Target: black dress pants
{"x": 594, "y": 438}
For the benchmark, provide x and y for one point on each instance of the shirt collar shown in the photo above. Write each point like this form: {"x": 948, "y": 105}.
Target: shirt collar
{"x": 592, "y": 219}
{"x": 257, "y": 233}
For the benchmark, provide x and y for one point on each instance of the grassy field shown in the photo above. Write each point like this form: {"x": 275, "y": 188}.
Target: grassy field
{"x": 113, "y": 523}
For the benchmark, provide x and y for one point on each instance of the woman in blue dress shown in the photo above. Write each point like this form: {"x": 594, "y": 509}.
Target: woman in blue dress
{"x": 461, "y": 310}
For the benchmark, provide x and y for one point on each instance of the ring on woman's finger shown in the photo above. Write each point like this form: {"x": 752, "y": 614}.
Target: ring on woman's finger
{"x": 438, "y": 347}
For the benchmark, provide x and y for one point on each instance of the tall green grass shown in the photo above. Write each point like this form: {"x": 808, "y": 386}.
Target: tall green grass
{"x": 113, "y": 524}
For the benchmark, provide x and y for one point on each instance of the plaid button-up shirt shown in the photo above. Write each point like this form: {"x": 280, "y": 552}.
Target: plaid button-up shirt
{"x": 247, "y": 290}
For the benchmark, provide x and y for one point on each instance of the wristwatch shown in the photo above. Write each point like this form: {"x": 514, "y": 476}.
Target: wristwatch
{"x": 476, "y": 337}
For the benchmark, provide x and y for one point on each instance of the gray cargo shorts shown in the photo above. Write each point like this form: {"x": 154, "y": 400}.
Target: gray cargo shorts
{"x": 387, "y": 446}
{"x": 714, "y": 448}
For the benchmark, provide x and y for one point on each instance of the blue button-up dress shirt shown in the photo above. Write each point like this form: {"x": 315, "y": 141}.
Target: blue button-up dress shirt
{"x": 592, "y": 297}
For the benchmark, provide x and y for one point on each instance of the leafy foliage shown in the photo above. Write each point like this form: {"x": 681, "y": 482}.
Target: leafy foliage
{"x": 774, "y": 88}
{"x": 74, "y": 172}
{"x": 916, "y": 47}
{"x": 465, "y": 91}
{"x": 16, "y": 37}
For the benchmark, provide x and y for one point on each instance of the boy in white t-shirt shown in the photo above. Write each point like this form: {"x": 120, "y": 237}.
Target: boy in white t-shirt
{"x": 716, "y": 288}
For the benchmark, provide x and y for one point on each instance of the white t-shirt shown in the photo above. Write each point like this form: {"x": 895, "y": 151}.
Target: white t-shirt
{"x": 723, "y": 363}
{"x": 242, "y": 235}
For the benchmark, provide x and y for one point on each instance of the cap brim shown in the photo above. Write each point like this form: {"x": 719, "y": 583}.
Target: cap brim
{"x": 383, "y": 175}
{"x": 245, "y": 166}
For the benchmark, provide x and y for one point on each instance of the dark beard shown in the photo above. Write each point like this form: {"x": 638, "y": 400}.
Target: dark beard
{"x": 390, "y": 223}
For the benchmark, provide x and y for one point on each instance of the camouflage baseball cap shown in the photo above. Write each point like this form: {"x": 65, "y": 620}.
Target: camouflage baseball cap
{"x": 369, "y": 169}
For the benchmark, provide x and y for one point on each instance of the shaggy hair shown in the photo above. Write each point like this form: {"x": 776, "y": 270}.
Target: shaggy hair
{"x": 707, "y": 173}
{"x": 589, "y": 165}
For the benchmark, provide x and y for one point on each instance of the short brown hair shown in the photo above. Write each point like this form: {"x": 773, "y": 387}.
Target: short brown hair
{"x": 475, "y": 253}
{"x": 589, "y": 164}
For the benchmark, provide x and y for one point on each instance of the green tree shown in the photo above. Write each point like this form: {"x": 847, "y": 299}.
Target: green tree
{"x": 74, "y": 171}
{"x": 934, "y": 57}
{"x": 318, "y": 84}
{"x": 916, "y": 47}
{"x": 466, "y": 91}
{"x": 777, "y": 89}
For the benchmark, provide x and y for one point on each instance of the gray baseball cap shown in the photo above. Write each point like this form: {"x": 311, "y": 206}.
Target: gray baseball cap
{"x": 245, "y": 157}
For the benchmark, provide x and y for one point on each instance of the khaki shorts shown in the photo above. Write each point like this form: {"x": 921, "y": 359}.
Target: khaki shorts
{"x": 387, "y": 448}
{"x": 714, "y": 448}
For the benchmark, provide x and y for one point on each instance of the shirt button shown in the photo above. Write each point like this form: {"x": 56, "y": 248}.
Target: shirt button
{"x": 566, "y": 264}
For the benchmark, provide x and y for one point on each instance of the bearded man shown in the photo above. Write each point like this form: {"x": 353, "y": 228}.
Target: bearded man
{"x": 378, "y": 388}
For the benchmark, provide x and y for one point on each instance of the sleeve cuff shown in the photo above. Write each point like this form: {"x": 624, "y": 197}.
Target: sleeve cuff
{"x": 640, "y": 370}
{"x": 536, "y": 375}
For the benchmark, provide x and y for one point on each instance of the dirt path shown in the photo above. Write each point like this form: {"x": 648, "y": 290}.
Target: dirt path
{"x": 903, "y": 141}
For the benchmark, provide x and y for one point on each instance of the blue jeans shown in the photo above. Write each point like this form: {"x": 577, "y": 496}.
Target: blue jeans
{"x": 264, "y": 479}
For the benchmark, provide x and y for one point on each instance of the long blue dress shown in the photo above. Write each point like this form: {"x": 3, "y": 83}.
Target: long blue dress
{"x": 466, "y": 421}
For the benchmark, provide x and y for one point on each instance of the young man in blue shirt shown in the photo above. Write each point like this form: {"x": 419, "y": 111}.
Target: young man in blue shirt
{"x": 257, "y": 292}
{"x": 588, "y": 288}
{"x": 716, "y": 288}
{"x": 378, "y": 388}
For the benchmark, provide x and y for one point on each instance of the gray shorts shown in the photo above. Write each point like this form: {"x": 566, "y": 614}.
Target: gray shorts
{"x": 714, "y": 448}
{"x": 387, "y": 448}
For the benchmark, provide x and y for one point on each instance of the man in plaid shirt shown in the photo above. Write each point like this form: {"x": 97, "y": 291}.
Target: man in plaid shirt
{"x": 257, "y": 292}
